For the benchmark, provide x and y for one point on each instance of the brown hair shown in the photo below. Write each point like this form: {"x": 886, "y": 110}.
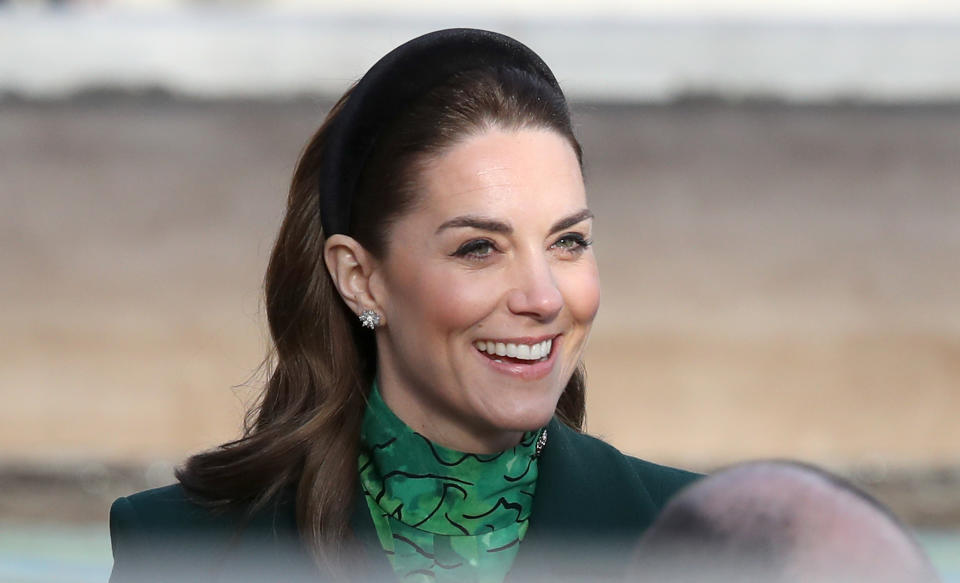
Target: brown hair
{"x": 304, "y": 432}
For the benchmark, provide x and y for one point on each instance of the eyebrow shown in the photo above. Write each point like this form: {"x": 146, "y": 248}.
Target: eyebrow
{"x": 572, "y": 220}
{"x": 493, "y": 225}
{"x": 475, "y": 222}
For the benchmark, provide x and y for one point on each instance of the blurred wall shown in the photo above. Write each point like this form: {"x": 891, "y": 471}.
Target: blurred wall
{"x": 779, "y": 266}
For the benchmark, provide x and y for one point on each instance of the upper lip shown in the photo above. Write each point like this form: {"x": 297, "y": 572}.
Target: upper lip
{"x": 521, "y": 339}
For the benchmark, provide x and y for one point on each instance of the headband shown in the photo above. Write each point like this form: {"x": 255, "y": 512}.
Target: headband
{"x": 390, "y": 87}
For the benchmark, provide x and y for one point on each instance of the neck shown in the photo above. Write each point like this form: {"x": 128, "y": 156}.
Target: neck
{"x": 436, "y": 424}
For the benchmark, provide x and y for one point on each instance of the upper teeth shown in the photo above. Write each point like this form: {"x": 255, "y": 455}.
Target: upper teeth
{"x": 521, "y": 351}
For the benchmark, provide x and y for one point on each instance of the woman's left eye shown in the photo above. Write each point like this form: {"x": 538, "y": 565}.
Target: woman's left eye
{"x": 572, "y": 243}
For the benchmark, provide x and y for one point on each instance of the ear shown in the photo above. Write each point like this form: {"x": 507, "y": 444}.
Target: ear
{"x": 351, "y": 267}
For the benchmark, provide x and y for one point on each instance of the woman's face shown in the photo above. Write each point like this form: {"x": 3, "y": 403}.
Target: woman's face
{"x": 494, "y": 257}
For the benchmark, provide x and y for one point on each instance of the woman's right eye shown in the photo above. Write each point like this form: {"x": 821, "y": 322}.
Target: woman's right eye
{"x": 475, "y": 249}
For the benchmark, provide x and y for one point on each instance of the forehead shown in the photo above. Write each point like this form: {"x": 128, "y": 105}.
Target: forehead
{"x": 511, "y": 174}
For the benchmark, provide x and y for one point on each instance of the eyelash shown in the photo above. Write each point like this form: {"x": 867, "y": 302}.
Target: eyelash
{"x": 470, "y": 249}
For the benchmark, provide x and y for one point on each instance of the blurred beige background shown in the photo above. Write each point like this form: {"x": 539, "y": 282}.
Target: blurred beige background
{"x": 778, "y": 281}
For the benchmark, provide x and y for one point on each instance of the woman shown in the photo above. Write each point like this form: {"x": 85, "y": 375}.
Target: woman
{"x": 429, "y": 297}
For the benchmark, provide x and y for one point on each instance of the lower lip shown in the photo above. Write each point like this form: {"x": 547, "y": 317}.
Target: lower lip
{"x": 537, "y": 369}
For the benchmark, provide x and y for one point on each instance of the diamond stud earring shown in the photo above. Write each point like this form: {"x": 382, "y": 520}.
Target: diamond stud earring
{"x": 369, "y": 319}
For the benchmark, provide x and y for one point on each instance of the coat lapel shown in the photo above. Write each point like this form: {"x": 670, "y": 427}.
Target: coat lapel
{"x": 588, "y": 510}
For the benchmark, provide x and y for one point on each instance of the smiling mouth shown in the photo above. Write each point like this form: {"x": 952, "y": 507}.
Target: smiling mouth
{"x": 515, "y": 353}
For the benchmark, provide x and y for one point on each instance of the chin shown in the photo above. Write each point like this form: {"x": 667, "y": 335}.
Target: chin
{"x": 527, "y": 416}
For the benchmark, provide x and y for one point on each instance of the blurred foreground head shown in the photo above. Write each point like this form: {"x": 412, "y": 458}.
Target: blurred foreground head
{"x": 778, "y": 522}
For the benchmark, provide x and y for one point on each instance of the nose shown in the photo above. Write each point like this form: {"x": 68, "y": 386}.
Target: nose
{"x": 535, "y": 293}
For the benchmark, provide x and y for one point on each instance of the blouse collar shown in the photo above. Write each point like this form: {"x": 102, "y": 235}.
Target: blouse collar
{"x": 440, "y": 490}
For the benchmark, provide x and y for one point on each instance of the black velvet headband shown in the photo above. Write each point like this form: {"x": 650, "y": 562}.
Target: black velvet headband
{"x": 392, "y": 85}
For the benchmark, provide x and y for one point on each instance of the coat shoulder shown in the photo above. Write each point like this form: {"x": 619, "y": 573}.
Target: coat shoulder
{"x": 161, "y": 509}
{"x": 170, "y": 509}
{"x": 600, "y": 461}
{"x": 164, "y": 532}
{"x": 662, "y": 481}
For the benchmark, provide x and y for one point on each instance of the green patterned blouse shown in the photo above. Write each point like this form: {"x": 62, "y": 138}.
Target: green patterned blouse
{"x": 442, "y": 515}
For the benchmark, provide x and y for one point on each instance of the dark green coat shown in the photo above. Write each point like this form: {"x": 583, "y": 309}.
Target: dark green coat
{"x": 591, "y": 504}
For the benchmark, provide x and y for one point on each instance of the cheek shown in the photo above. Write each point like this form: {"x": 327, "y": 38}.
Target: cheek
{"x": 580, "y": 288}
{"x": 438, "y": 302}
